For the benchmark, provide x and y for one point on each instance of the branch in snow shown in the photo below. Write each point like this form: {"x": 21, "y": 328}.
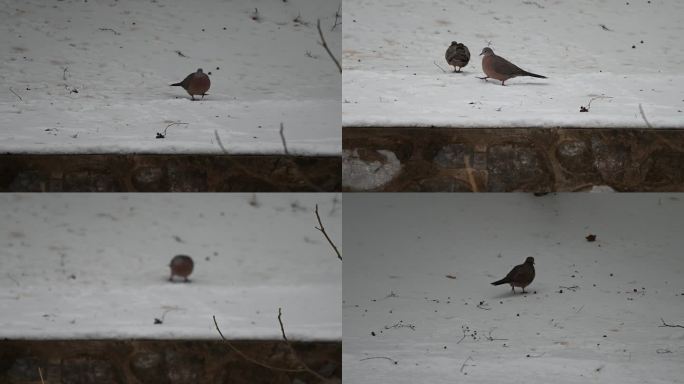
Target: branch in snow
{"x": 464, "y": 364}
{"x": 322, "y": 230}
{"x": 294, "y": 353}
{"x": 338, "y": 17}
{"x": 15, "y": 94}
{"x": 220, "y": 144}
{"x": 109, "y": 29}
{"x": 643, "y": 115}
{"x": 251, "y": 360}
{"x": 163, "y": 135}
{"x": 380, "y": 357}
{"x": 669, "y": 325}
{"x": 325, "y": 45}
{"x": 435, "y": 63}
{"x": 282, "y": 137}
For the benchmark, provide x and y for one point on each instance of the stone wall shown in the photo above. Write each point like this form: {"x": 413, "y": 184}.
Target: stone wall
{"x": 162, "y": 362}
{"x": 168, "y": 173}
{"x": 512, "y": 159}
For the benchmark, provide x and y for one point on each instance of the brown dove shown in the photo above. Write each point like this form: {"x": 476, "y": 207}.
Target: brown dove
{"x": 181, "y": 265}
{"x": 520, "y": 276}
{"x": 457, "y": 55}
{"x": 501, "y": 69}
{"x": 197, "y": 83}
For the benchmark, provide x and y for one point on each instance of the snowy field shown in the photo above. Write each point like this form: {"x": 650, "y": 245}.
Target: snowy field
{"x": 96, "y": 266}
{"x": 92, "y": 76}
{"x": 417, "y": 276}
{"x": 390, "y": 50}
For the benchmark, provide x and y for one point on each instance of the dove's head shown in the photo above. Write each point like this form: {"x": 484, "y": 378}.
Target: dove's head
{"x": 529, "y": 260}
{"x": 486, "y": 51}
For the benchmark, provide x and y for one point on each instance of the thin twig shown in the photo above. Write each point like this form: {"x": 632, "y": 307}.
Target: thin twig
{"x": 435, "y": 63}
{"x": 322, "y": 229}
{"x": 464, "y": 363}
{"x": 325, "y": 45}
{"x": 294, "y": 353}
{"x": 580, "y": 308}
{"x": 220, "y": 144}
{"x": 282, "y": 137}
{"x": 643, "y": 115}
{"x": 15, "y": 94}
{"x": 40, "y": 373}
{"x": 64, "y": 73}
{"x": 109, "y": 29}
{"x": 338, "y": 16}
{"x": 13, "y": 279}
{"x": 571, "y": 288}
{"x": 251, "y": 360}
{"x": 492, "y": 338}
{"x": 379, "y": 357}
{"x": 670, "y": 325}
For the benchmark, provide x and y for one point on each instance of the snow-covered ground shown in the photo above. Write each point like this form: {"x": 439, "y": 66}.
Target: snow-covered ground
{"x": 121, "y": 55}
{"x": 391, "y": 47}
{"x": 417, "y": 274}
{"x": 96, "y": 266}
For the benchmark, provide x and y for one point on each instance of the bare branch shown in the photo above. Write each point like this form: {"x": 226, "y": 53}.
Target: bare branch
{"x": 109, "y": 29}
{"x": 294, "y": 353}
{"x": 40, "y": 373}
{"x": 643, "y": 115}
{"x": 379, "y": 357}
{"x": 435, "y": 63}
{"x": 282, "y": 137}
{"x": 338, "y": 16}
{"x": 325, "y": 45}
{"x": 163, "y": 135}
{"x": 15, "y": 94}
{"x": 669, "y": 325}
{"x": 220, "y": 144}
{"x": 251, "y": 360}
{"x": 464, "y": 363}
{"x": 322, "y": 230}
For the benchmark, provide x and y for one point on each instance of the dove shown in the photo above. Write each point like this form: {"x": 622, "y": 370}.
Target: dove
{"x": 457, "y": 55}
{"x": 501, "y": 69}
{"x": 197, "y": 83}
{"x": 181, "y": 265}
{"x": 520, "y": 276}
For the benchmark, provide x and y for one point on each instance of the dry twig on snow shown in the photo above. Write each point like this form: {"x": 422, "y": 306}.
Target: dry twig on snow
{"x": 325, "y": 45}
{"x": 322, "y": 230}
{"x": 669, "y": 325}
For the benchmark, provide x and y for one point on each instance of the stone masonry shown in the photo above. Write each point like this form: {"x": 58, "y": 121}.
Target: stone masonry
{"x": 163, "y": 362}
{"x": 512, "y": 159}
{"x": 168, "y": 173}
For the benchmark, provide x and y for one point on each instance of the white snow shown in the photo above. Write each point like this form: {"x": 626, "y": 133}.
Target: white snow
{"x": 121, "y": 56}
{"x": 400, "y": 248}
{"x": 390, "y": 50}
{"x": 96, "y": 266}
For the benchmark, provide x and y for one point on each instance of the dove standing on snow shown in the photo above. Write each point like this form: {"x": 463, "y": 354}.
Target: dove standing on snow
{"x": 501, "y": 69}
{"x": 195, "y": 84}
{"x": 181, "y": 265}
{"x": 457, "y": 55}
{"x": 520, "y": 276}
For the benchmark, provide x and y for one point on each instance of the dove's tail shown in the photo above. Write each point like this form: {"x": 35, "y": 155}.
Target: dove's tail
{"x": 502, "y": 281}
{"x": 534, "y": 75}
{"x": 176, "y": 85}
